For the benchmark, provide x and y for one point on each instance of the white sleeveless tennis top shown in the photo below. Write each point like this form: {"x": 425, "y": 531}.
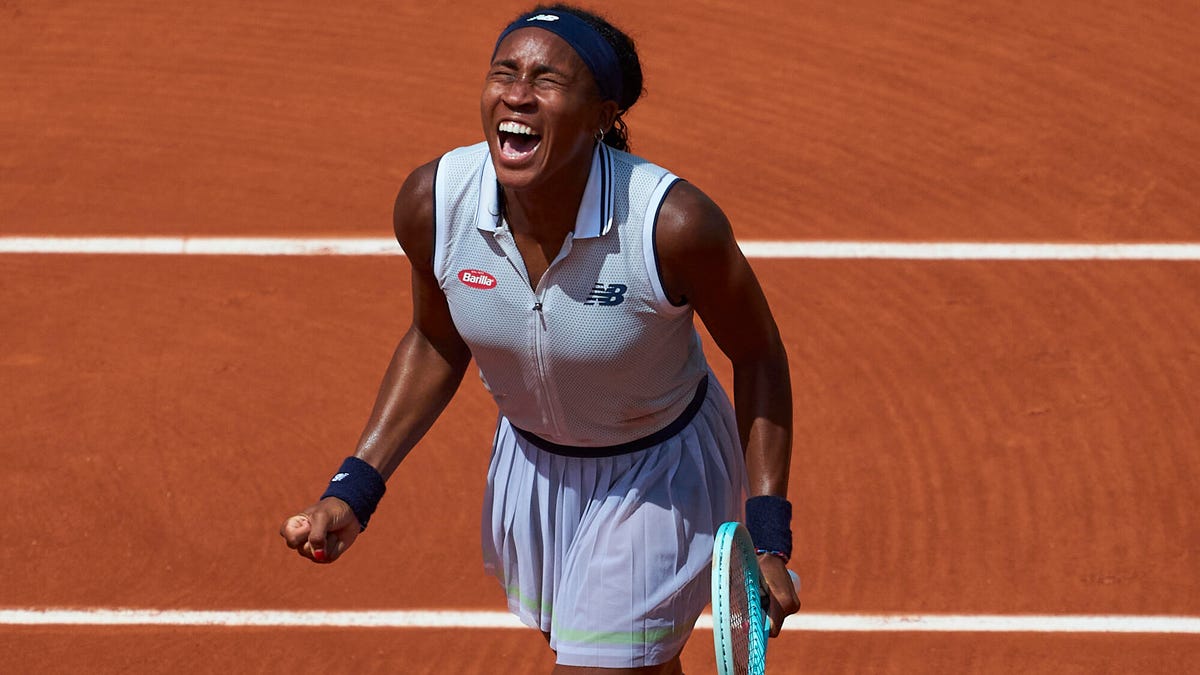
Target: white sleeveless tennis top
{"x": 596, "y": 355}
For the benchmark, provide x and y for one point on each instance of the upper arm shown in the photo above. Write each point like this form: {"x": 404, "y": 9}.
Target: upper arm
{"x": 414, "y": 226}
{"x": 413, "y": 215}
{"x": 702, "y": 264}
{"x": 701, "y": 260}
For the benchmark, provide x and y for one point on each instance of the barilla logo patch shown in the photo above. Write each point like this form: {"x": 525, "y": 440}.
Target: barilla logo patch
{"x": 477, "y": 279}
{"x": 542, "y": 17}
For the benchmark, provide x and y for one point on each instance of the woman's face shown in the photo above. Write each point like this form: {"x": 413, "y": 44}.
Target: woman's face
{"x": 541, "y": 109}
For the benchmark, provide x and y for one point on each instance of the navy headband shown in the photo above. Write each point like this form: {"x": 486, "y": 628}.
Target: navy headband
{"x": 591, "y": 46}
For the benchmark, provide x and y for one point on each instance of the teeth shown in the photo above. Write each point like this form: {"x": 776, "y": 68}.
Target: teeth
{"x": 516, "y": 128}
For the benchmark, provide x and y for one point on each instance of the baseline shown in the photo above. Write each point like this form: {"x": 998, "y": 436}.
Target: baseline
{"x": 811, "y": 622}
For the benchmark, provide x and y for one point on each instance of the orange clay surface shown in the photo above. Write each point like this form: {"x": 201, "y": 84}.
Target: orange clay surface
{"x": 971, "y": 437}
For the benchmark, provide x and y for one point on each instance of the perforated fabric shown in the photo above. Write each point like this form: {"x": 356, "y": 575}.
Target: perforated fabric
{"x": 596, "y": 355}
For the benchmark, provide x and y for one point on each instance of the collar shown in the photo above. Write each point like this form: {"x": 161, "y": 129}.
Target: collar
{"x": 595, "y": 217}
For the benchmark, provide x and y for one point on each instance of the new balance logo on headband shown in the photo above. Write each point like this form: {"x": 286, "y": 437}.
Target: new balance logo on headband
{"x": 607, "y": 296}
{"x": 543, "y": 17}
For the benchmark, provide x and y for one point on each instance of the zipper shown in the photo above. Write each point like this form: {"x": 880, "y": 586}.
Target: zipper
{"x": 548, "y": 389}
{"x": 538, "y": 318}
{"x": 539, "y": 332}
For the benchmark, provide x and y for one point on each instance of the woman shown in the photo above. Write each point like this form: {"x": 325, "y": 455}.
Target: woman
{"x": 571, "y": 271}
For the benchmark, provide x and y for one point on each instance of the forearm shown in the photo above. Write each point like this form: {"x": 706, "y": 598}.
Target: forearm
{"x": 763, "y": 401}
{"x": 419, "y": 383}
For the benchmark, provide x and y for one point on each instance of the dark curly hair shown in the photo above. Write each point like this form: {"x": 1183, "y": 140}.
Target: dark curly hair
{"x": 627, "y": 57}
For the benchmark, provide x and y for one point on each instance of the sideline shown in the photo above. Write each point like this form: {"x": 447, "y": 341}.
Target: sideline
{"x": 878, "y": 250}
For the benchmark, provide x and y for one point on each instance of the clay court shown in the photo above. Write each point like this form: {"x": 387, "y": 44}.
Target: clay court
{"x": 976, "y": 436}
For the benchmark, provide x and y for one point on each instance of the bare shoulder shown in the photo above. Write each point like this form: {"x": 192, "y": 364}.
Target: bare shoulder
{"x": 689, "y": 217}
{"x": 692, "y": 234}
{"x": 413, "y": 215}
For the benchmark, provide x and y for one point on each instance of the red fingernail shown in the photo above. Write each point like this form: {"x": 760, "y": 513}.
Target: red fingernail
{"x": 319, "y": 555}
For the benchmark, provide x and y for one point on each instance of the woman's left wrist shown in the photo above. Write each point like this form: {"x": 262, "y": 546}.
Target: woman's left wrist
{"x": 769, "y": 521}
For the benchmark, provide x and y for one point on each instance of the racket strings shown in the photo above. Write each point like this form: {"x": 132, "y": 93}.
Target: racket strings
{"x": 741, "y": 620}
{"x": 756, "y": 619}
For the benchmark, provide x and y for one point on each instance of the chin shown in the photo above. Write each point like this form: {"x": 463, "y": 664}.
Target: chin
{"x": 516, "y": 180}
{"x": 517, "y": 177}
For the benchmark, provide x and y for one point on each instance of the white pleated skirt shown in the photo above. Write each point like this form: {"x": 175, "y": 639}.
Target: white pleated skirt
{"x": 611, "y": 556}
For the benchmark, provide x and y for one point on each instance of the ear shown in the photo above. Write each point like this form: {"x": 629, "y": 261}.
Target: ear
{"x": 607, "y": 116}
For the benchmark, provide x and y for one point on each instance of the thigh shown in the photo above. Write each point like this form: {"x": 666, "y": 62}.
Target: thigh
{"x": 637, "y": 573}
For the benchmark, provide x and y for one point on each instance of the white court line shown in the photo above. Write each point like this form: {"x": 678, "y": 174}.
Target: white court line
{"x": 952, "y": 250}
{"x": 270, "y": 246}
{"x": 906, "y": 623}
{"x": 883, "y": 250}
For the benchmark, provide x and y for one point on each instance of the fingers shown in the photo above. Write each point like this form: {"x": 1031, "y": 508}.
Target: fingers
{"x": 326, "y": 552}
{"x": 783, "y": 587}
{"x": 317, "y": 534}
{"x": 305, "y": 533}
{"x": 785, "y": 603}
{"x": 322, "y": 532}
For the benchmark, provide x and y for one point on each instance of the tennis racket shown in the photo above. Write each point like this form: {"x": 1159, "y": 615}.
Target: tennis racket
{"x": 741, "y": 625}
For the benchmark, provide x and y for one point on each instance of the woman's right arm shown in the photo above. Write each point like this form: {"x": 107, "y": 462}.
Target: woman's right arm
{"x": 430, "y": 360}
{"x": 425, "y": 371}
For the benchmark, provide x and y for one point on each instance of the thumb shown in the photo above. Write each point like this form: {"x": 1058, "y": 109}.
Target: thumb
{"x": 319, "y": 521}
{"x": 295, "y": 530}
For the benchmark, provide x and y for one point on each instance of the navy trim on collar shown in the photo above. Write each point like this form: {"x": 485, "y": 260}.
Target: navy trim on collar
{"x": 596, "y": 209}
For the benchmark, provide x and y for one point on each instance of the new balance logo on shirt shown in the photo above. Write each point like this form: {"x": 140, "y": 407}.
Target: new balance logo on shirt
{"x": 607, "y": 296}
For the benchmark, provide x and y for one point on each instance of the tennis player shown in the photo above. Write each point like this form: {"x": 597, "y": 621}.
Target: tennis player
{"x": 570, "y": 271}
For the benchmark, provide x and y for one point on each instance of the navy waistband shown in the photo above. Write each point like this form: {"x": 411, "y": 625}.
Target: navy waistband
{"x": 624, "y": 448}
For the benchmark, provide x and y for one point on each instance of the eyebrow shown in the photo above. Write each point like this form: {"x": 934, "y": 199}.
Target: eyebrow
{"x": 539, "y": 69}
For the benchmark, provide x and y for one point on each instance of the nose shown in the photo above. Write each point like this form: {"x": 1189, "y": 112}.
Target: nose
{"x": 518, "y": 93}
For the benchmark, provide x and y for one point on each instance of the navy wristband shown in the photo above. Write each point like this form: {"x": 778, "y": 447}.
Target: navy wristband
{"x": 769, "y": 520}
{"x": 359, "y": 485}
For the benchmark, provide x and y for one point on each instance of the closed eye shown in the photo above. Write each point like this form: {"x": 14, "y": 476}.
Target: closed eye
{"x": 501, "y": 75}
{"x": 549, "y": 82}
{"x": 541, "y": 75}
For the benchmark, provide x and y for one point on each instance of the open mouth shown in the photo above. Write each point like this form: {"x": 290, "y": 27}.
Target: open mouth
{"x": 517, "y": 140}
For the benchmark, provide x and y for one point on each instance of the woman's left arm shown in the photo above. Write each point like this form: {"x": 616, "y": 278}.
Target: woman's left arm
{"x": 702, "y": 264}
